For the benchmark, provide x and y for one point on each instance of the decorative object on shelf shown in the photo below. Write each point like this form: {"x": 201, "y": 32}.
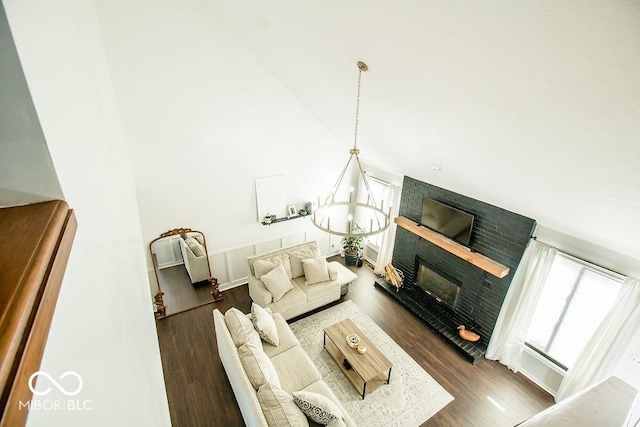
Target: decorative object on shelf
{"x": 353, "y": 340}
{"x": 291, "y": 211}
{"x": 394, "y": 276}
{"x": 353, "y": 246}
{"x": 467, "y": 335}
{"x": 362, "y": 348}
{"x": 215, "y": 292}
{"x": 308, "y": 207}
{"x": 267, "y": 219}
{"x": 302, "y": 212}
{"x": 335, "y": 216}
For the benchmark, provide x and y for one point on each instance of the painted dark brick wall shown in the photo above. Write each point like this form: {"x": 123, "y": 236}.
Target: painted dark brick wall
{"x": 497, "y": 233}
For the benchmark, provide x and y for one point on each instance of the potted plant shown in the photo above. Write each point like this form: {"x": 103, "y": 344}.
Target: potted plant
{"x": 353, "y": 246}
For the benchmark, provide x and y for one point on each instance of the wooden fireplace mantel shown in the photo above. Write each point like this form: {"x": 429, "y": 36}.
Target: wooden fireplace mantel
{"x": 475, "y": 258}
{"x": 34, "y": 249}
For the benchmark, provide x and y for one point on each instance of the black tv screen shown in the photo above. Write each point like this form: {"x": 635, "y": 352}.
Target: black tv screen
{"x": 447, "y": 220}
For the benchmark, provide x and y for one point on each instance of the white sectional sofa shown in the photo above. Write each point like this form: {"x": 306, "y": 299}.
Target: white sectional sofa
{"x": 268, "y": 379}
{"x": 310, "y": 281}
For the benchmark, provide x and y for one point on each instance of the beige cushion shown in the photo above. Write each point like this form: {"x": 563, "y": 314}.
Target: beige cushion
{"x": 257, "y": 365}
{"x": 315, "y": 270}
{"x": 317, "y": 407}
{"x": 279, "y": 408}
{"x": 264, "y": 266}
{"x": 190, "y": 241}
{"x": 264, "y": 324}
{"x": 286, "y": 338}
{"x": 277, "y": 281}
{"x": 296, "y": 256}
{"x": 295, "y": 369}
{"x": 240, "y": 328}
{"x": 198, "y": 249}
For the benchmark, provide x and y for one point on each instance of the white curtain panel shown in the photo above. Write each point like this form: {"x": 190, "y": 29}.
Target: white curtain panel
{"x": 601, "y": 353}
{"x": 507, "y": 340}
{"x": 385, "y": 254}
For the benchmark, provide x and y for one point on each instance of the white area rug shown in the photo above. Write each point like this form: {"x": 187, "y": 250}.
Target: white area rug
{"x": 411, "y": 397}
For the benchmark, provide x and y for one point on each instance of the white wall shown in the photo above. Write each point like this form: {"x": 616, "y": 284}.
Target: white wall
{"x": 203, "y": 119}
{"x": 103, "y": 327}
{"x": 26, "y": 170}
{"x": 530, "y": 106}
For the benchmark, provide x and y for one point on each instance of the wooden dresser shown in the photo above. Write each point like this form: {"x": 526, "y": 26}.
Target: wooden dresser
{"x": 35, "y": 244}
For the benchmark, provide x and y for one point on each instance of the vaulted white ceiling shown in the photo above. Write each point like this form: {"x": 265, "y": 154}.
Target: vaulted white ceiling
{"x": 531, "y": 106}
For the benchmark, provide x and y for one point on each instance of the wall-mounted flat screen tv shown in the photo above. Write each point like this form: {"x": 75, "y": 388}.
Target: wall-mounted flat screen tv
{"x": 447, "y": 220}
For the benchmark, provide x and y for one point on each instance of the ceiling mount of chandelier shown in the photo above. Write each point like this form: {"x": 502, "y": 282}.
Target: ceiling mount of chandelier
{"x": 340, "y": 217}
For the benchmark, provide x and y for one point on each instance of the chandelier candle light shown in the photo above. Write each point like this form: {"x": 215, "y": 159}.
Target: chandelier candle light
{"x": 337, "y": 217}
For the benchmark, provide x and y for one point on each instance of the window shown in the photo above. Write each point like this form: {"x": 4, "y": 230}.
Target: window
{"x": 381, "y": 193}
{"x": 576, "y": 297}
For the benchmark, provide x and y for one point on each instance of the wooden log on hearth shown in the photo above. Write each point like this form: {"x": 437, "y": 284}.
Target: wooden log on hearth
{"x": 391, "y": 275}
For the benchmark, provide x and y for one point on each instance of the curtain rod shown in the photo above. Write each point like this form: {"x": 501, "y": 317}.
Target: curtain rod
{"x": 580, "y": 258}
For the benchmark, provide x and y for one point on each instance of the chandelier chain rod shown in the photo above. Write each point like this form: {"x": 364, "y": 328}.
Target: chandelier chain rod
{"x": 371, "y": 207}
{"x": 355, "y": 132}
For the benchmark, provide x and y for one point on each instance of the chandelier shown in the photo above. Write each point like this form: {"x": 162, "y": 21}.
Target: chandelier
{"x": 337, "y": 216}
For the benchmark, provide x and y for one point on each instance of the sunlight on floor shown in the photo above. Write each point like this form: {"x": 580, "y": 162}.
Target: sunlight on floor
{"x": 496, "y": 404}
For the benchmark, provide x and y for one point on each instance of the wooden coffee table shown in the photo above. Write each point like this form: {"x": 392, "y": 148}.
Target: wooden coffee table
{"x": 367, "y": 370}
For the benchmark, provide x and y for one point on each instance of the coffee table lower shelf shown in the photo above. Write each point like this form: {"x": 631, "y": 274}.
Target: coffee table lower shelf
{"x": 349, "y": 371}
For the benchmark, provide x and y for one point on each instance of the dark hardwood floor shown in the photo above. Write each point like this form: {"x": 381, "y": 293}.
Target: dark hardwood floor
{"x": 179, "y": 292}
{"x": 487, "y": 394}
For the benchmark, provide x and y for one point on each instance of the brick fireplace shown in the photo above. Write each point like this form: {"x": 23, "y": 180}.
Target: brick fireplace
{"x": 498, "y": 235}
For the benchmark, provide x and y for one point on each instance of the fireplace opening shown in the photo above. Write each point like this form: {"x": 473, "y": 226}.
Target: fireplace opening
{"x": 438, "y": 284}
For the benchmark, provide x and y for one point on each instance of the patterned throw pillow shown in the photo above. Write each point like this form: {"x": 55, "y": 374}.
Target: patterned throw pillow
{"x": 317, "y": 407}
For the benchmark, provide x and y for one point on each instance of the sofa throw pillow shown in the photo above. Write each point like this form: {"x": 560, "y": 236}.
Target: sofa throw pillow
{"x": 197, "y": 249}
{"x": 190, "y": 241}
{"x": 315, "y": 270}
{"x": 240, "y": 328}
{"x": 257, "y": 365}
{"x": 317, "y": 407}
{"x": 264, "y": 324}
{"x": 296, "y": 256}
{"x": 264, "y": 266}
{"x": 277, "y": 282}
{"x": 279, "y": 408}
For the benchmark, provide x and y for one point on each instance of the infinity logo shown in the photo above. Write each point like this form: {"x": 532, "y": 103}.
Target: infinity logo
{"x": 58, "y": 386}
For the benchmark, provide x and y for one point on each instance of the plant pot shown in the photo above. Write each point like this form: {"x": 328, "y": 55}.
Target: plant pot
{"x": 350, "y": 259}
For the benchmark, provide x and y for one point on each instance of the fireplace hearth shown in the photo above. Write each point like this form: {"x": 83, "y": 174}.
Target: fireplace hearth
{"x": 438, "y": 317}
